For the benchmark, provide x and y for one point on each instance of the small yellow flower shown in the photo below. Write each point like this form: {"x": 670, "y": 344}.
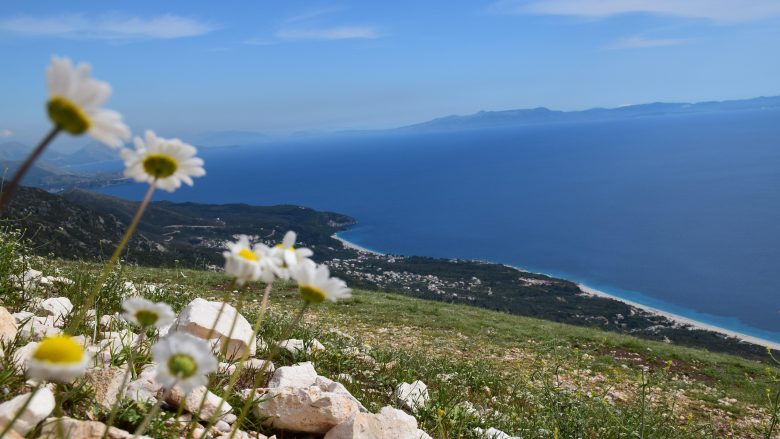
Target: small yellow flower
{"x": 248, "y": 264}
{"x": 57, "y": 358}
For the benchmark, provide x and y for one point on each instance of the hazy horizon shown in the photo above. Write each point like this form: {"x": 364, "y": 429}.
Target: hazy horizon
{"x": 187, "y": 69}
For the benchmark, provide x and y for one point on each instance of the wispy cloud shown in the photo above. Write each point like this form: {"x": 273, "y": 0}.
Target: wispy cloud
{"x": 722, "y": 11}
{"x": 5, "y": 132}
{"x": 328, "y": 33}
{"x": 640, "y": 42}
{"x": 315, "y": 24}
{"x": 104, "y": 27}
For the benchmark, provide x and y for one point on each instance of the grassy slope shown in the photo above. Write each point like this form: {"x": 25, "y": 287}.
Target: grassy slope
{"x": 545, "y": 375}
{"x": 529, "y": 377}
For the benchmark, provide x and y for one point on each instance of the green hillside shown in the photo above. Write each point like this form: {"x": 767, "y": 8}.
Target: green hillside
{"x": 528, "y": 377}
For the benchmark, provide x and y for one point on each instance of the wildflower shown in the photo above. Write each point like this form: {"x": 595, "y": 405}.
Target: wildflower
{"x": 250, "y": 264}
{"x": 289, "y": 255}
{"x": 74, "y": 103}
{"x": 145, "y": 313}
{"x": 165, "y": 162}
{"x": 57, "y": 358}
{"x": 183, "y": 360}
{"x": 316, "y": 285}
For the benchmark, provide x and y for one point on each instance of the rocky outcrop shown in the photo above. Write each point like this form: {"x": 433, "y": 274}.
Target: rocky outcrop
{"x": 200, "y": 315}
{"x": 56, "y": 428}
{"x": 7, "y": 325}
{"x": 305, "y": 410}
{"x": 412, "y": 395}
{"x": 389, "y": 423}
{"x": 40, "y": 407}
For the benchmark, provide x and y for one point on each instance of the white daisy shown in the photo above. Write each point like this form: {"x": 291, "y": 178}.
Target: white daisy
{"x": 183, "y": 360}
{"x": 250, "y": 264}
{"x": 145, "y": 313}
{"x": 57, "y": 358}
{"x": 74, "y": 103}
{"x": 167, "y": 162}
{"x": 316, "y": 285}
{"x": 289, "y": 255}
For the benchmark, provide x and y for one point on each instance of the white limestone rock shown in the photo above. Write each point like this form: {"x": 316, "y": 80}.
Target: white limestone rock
{"x": 21, "y": 355}
{"x": 29, "y": 281}
{"x": 328, "y": 385}
{"x": 298, "y": 375}
{"x": 305, "y": 410}
{"x": 200, "y": 315}
{"x": 106, "y": 384}
{"x": 22, "y": 316}
{"x": 296, "y": 346}
{"x": 389, "y": 423}
{"x": 35, "y": 330}
{"x": 293, "y": 346}
{"x": 39, "y": 408}
{"x": 8, "y": 327}
{"x": 412, "y": 395}
{"x": 258, "y": 364}
{"x": 144, "y": 388}
{"x": 492, "y": 433}
{"x": 56, "y": 428}
{"x": 192, "y": 401}
{"x": 58, "y": 307}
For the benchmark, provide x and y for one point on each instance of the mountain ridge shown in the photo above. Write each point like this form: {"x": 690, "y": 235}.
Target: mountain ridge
{"x": 542, "y": 115}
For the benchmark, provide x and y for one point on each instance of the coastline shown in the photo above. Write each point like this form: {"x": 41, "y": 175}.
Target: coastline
{"x": 353, "y": 246}
{"x": 682, "y": 320}
{"x": 595, "y": 292}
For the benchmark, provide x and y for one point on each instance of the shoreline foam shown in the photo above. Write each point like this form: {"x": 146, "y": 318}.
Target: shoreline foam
{"x": 353, "y": 246}
{"x": 594, "y": 292}
{"x": 682, "y": 320}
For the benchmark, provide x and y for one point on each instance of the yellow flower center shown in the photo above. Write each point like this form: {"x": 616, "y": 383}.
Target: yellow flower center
{"x": 182, "y": 365}
{"x": 146, "y": 318}
{"x": 312, "y": 294}
{"x": 67, "y": 115}
{"x": 59, "y": 349}
{"x": 160, "y": 165}
{"x": 247, "y": 254}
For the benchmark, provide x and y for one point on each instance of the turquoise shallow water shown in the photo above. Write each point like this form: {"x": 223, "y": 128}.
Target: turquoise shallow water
{"x": 684, "y": 209}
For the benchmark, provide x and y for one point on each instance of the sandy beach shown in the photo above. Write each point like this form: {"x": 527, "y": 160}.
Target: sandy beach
{"x": 355, "y": 246}
{"x": 683, "y": 320}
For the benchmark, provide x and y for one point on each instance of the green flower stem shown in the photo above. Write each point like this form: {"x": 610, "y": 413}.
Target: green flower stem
{"x": 250, "y": 398}
{"x": 9, "y": 190}
{"x": 21, "y": 410}
{"x": 244, "y": 356}
{"x": 241, "y": 295}
{"x": 125, "y": 379}
{"x": 114, "y": 258}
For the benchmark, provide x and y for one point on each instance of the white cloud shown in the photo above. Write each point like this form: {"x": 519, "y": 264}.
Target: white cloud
{"x": 328, "y": 33}
{"x": 723, "y": 11}
{"x": 639, "y": 42}
{"x": 5, "y": 132}
{"x": 105, "y": 27}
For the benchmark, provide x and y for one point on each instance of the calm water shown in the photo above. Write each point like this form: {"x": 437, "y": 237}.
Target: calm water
{"x": 682, "y": 213}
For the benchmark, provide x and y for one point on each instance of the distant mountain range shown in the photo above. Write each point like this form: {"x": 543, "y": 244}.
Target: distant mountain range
{"x": 89, "y": 153}
{"x": 54, "y": 171}
{"x": 542, "y": 115}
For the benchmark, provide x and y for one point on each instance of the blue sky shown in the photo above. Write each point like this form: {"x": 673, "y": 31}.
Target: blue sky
{"x": 186, "y": 68}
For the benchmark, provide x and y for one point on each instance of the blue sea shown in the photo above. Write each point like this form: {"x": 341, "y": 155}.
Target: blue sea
{"x": 677, "y": 212}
